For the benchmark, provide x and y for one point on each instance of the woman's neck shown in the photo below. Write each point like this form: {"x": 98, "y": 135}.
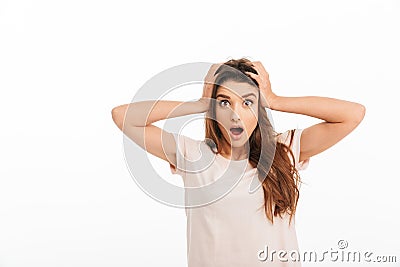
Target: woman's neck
{"x": 234, "y": 153}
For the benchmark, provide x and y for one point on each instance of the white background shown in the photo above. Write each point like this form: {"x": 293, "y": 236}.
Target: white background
{"x": 66, "y": 195}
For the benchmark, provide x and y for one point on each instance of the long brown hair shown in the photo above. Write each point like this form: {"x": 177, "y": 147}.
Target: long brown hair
{"x": 280, "y": 182}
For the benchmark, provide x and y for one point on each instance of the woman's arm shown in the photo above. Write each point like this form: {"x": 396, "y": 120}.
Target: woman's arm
{"x": 135, "y": 120}
{"x": 324, "y": 108}
{"x": 143, "y": 113}
{"x": 340, "y": 118}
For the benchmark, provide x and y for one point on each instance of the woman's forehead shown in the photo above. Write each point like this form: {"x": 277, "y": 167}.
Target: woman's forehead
{"x": 237, "y": 89}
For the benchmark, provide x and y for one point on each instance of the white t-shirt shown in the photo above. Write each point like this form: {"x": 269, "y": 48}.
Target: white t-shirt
{"x": 231, "y": 231}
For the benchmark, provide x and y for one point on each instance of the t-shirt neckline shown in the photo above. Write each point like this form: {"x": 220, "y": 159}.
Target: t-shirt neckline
{"x": 231, "y": 160}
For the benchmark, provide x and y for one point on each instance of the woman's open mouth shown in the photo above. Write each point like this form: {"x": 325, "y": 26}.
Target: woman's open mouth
{"x": 236, "y": 132}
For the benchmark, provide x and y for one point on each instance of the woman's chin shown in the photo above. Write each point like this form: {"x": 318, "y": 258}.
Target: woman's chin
{"x": 240, "y": 142}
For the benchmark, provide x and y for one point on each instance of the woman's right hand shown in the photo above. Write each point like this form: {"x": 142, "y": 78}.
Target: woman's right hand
{"x": 209, "y": 84}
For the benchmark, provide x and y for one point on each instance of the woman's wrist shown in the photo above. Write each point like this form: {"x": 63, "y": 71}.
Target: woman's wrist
{"x": 203, "y": 104}
{"x": 272, "y": 101}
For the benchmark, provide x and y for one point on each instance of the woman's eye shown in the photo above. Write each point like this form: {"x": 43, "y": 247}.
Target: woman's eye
{"x": 223, "y": 102}
{"x": 248, "y": 102}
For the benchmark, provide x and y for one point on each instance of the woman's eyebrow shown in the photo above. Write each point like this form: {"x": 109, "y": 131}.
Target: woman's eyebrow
{"x": 225, "y": 96}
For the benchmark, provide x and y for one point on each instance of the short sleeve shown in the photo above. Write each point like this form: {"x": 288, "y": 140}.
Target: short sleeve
{"x": 295, "y": 147}
{"x": 186, "y": 149}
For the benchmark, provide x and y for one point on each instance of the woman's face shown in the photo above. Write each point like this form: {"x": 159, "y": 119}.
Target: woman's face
{"x": 237, "y": 111}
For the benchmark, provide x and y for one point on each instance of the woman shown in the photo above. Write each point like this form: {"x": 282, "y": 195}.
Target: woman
{"x": 241, "y": 228}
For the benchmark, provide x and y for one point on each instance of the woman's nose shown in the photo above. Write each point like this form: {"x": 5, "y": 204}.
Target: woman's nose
{"x": 235, "y": 113}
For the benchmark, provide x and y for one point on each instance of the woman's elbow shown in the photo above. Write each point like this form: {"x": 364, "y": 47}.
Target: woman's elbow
{"x": 118, "y": 115}
{"x": 358, "y": 114}
{"x": 361, "y": 113}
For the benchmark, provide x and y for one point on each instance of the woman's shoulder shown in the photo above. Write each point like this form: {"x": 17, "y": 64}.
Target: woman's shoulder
{"x": 190, "y": 146}
{"x": 288, "y": 137}
{"x": 186, "y": 140}
{"x": 292, "y": 138}
{"x": 191, "y": 151}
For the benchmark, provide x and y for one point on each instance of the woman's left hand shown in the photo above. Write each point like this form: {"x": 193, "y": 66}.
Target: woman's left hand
{"x": 266, "y": 94}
